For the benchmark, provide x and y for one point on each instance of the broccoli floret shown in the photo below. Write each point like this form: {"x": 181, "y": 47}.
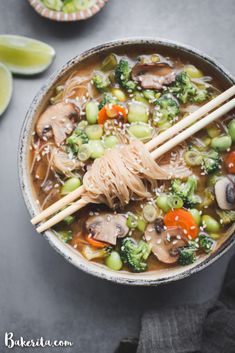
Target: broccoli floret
{"x": 168, "y": 109}
{"x": 208, "y": 197}
{"x": 226, "y": 217}
{"x": 186, "y": 191}
{"x": 107, "y": 98}
{"x": 210, "y": 162}
{"x": 101, "y": 82}
{"x": 92, "y": 253}
{"x": 65, "y": 235}
{"x": 135, "y": 254}
{"x": 205, "y": 242}
{"x": 78, "y": 138}
{"x": 187, "y": 255}
{"x": 123, "y": 75}
{"x": 186, "y": 91}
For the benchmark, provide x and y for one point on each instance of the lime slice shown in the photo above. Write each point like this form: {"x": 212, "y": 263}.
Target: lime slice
{"x": 25, "y": 56}
{"x": 5, "y": 88}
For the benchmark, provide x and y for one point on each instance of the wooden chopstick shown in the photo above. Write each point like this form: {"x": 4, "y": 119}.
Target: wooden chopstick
{"x": 184, "y": 123}
{"x": 190, "y": 119}
{"x": 55, "y": 207}
{"x": 184, "y": 135}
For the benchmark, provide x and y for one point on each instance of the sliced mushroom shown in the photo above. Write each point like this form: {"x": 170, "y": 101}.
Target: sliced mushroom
{"x": 107, "y": 227}
{"x": 165, "y": 245}
{"x": 55, "y": 121}
{"x": 153, "y": 75}
{"x": 225, "y": 192}
{"x": 62, "y": 163}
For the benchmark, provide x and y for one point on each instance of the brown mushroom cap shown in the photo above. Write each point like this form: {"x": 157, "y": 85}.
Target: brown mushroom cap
{"x": 165, "y": 245}
{"x": 153, "y": 75}
{"x": 225, "y": 192}
{"x": 107, "y": 227}
{"x": 55, "y": 122}
{"x": 62, "y": 163}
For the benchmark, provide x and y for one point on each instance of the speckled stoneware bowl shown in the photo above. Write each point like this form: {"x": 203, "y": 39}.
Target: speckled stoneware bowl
{"x": 67, "y": 17}
{"x": 37, "y": 106}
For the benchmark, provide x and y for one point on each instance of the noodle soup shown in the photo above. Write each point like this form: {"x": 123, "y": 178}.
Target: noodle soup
{"x": 142, "y": 215}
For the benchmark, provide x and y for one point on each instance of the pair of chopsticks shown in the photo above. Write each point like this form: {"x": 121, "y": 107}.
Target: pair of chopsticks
{"x": 172, "y": 137}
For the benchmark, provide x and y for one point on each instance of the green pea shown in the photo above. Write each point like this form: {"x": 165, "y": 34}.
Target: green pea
{"x": 196, "y": 215}
{"x": 139, "y": 97}
{"x": 162, "y": 202}
{"x": 193, "y": 158}
{"x": 141, "y": 224}
{"x": 94, "y": 132}
{"x": 210, "y": 224}
{"x": 231, "y": 129}
{"x": 92, "y": 112}
{"x": 119, "y": 94}
{"x": 70, "y": 185}
{"x": 110, "y": 141}
{"x": 132, "y": 220}
{"x": 192, "y": 71}
{"x": 149, "y": 94}
{"x": 222, "y": 143}
{"x": 114, "y": 261}
{"x": 141, "y": 131}
{"x": 213, "y": 131}
{"x": 137, "y": 112}
{"x": 84, "y": 152}
{"x": 97, "y": 149}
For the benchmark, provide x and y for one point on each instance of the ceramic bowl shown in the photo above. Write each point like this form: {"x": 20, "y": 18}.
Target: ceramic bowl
{"x": 37, "y": 106}
{"x": 66, "y": 17}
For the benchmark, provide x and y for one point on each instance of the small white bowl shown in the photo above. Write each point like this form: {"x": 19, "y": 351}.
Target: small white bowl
{"x": 67, "y": 17}
{"x": 148, "y": 278}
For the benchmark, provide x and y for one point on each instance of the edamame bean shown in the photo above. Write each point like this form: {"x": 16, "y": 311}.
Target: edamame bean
{"x": 192, "y": 71}
{"x": 119, "y": 94}
{"x": 84, "y": 152}
{"x": 114, "y": 261}
{"x": 196, "y": 215}
{"x": 231, "y": 129}
{"x": 137, "y": 112}
{"x": 92, "y": 112}
{"x": 94, "y": 132}
{"x": 210, "y": 224}
{"x": 70, "y": 185}
{"x": 97, "y": 149}
{"x": 162, "y": 202}
{"x": 222, "y": 143}
{"x": 110, "y": 141}
{"x": 141, "y": 131}
{"x": 139, "y": 97}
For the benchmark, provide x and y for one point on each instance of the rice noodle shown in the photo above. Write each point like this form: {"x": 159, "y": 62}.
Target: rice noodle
{"x": 124, "y": 173}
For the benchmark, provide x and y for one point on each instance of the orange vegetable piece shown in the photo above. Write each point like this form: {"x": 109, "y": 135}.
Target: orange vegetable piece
{"x": 95, "y": 243}
{"x": 184, "y": 219}
{"x": 230, "y": 162}
{"x": 111, "y": 111}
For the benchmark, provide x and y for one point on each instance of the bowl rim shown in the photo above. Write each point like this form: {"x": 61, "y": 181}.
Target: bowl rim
{"x": 66, "y": 251}
{"x": 60, "y": 16}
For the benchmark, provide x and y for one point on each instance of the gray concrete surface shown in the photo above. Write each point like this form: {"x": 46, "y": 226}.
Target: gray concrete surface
{"x": 41, "y": 294}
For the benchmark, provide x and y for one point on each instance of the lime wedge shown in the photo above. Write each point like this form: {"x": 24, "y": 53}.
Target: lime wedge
{"x": 6, "y": 84}
{"x": 25, "y": 56}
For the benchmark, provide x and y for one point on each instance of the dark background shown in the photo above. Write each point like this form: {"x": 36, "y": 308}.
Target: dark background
{"x": 40, "y": 293}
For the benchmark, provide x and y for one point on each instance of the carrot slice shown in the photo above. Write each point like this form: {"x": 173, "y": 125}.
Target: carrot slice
{"x": 184, "y": 219}
{"x": 111, "y": 111}
{"x": 230, "y": 162}
{"x": 95, "y": 243}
